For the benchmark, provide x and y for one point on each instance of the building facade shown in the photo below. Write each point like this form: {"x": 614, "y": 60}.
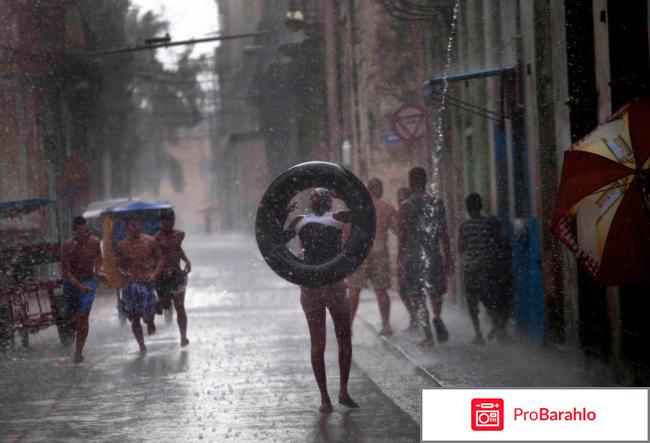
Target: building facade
{"x": 522, "y": 84}
{"x": 507, "y": 87}
{"x": 40, "y": 46}
{"x": 504, "y": 89}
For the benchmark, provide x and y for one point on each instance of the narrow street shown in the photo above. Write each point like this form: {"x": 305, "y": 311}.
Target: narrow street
{"x": 492, "y": 157}
{"x": 246, "y": 375}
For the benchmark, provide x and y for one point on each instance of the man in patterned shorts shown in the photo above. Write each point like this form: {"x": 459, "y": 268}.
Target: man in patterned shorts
{"x": 140, "y": 263}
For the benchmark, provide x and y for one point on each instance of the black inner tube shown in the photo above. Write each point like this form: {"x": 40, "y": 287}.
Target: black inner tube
{"x": 269, "y": 223}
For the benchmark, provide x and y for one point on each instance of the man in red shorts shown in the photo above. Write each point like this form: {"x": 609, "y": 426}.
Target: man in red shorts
{"x": 81, "y": 263}
{"x": 376, "y": 267}
{"x": 321, "y": 235}
{"x": 173, "y": 280}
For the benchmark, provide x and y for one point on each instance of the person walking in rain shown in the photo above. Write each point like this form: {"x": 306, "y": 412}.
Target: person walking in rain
{"x": 321, "y": 237}
{"x": 376, "y": 267}
{"x": 422, "y": 235}
{"x": 403, "y": 194}
{"x": 140, "y": 262}
{"x": 480, "y": 245}
{"x": 172, "y": 281}
{"x": 81, "y": 264}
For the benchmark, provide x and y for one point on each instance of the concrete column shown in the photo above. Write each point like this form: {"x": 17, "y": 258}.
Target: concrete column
{"x": 603, "y": 77}
{"x": 614, "y": 317}
{"x": 567, "y": 266}
{"x": 333, "y": 125}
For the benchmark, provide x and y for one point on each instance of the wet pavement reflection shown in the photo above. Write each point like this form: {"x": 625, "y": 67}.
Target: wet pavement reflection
{"x": 245, "y": 376}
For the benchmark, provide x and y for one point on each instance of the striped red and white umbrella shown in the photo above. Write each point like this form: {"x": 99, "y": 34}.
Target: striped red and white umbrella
{"x": 602, "y": 211}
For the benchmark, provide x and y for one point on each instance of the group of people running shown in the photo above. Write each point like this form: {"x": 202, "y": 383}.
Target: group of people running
{"x": 149, "y": 266}
{"x": 153, "y": 277}
{"x": 424, "y": 262}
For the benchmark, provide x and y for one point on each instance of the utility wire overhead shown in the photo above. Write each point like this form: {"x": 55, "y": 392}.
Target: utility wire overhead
{"x": 178, "y": 43}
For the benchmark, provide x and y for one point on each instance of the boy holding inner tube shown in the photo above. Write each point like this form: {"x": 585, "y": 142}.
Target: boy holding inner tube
{"x": 321, "y": 237}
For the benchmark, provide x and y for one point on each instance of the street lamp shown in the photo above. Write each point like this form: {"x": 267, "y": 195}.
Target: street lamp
{"x": 346, "y": 153}
{"x": 294, "y": 20}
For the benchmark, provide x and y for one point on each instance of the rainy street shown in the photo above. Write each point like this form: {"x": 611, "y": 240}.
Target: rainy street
{"x": 460, "y": 188}
{"x": 246, "y": 374}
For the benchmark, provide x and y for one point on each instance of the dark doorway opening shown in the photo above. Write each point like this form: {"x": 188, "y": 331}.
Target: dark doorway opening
{"x": 630, "y": 67}
{"x": 594, "y": 329}
{"x": 628, "y": 49}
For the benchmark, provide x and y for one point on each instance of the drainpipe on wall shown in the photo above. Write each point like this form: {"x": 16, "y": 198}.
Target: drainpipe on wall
{"x": 614, "y": 316}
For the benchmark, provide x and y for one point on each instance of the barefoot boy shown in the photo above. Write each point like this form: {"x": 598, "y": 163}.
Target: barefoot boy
{"x": 173, "y": 280}
{"x": 140, "y": 263}
{"x": 81, "y": 263}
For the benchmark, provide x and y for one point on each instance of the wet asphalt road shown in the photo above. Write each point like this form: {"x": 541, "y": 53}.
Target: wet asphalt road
{"x": 246, "y": 375}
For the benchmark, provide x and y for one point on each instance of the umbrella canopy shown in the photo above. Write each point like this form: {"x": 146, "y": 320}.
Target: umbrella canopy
{"x": 137, "y": 206}
{"x": 10, "y": 209}
{"x": 148, "y": 213}
{"x": 602, "y": 211}
{"x": 95, "y": 209}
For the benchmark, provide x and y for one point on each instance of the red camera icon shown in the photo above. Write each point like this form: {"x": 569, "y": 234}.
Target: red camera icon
{"x": 487, "y": 414}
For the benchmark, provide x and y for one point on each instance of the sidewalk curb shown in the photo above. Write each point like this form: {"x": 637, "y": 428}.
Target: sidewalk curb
{"x": 400, "y": 351}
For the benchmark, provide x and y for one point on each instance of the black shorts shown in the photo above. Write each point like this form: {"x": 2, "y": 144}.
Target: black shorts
{"x": 482, "y": 284}
{"x": 172, "y": 286}
{"x": 425, "y": 276}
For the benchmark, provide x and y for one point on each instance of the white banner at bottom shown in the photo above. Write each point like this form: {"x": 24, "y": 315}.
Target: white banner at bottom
{"x": 535, "y": 414}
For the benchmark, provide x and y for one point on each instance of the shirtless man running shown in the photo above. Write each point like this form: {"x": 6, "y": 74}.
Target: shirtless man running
{"x": 140, "y": 263}
{"x": 81, "y": 263}
{"x": 173, "y": 280}
{"x": 321, "y": 235}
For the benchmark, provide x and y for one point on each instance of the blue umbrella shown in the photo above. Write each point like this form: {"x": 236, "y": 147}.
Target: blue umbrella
{"x": 10, "y": 209}
{"x": 149, "y": 214}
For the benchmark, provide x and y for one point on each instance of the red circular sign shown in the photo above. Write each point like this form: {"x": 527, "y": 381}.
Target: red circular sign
{"x": 409, "y": 122}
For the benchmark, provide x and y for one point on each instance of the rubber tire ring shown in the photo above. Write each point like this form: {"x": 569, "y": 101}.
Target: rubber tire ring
{"x": 269, "y": 223}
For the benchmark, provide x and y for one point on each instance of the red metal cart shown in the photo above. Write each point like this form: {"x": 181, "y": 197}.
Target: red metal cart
{"x": 31, "y": 295}
{"x": 34, "y": 305}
